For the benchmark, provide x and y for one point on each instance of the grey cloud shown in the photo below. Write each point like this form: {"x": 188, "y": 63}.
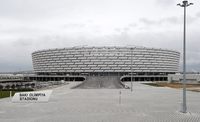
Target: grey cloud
{"x": 193, "y": 67}
{"x": 20, "y": 30}
{"x": 147, "y": 39}
{"x": 168, "y": 20}
{"x": 192, "y": 59}
{"x": 10, "y": 66}
{"x": 23, "y": 42}
{"x": 191, "y": 19}
{"x": 122, "y": 30}
{"x": 171, "y": 20}
{"x": 17, "y": 9}
{"x": 34, "y": 9}
{"x": 48, "y": 9}
{"x": 15, "y": 58}
{"x": 132, "y": 25}
{"x": 198, "y": 15}
{"x": 74, "y": 25}
{"x": 127, "y": 28}
{"x": 117, "y": 29}
{"x": 165, "y": 3}
{"x": 148, "y": 21}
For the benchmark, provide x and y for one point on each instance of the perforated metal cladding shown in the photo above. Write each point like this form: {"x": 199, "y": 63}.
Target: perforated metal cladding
{"x": 105, "y": 59}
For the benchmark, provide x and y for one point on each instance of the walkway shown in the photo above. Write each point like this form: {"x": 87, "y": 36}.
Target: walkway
{"x": 144, "y": 104}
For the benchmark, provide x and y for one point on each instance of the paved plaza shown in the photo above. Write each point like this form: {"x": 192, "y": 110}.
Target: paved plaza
{"x": 144, "y": 104}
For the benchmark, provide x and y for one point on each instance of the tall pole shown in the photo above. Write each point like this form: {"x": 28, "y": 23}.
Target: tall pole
{"x": 184, "y": 105}
{"x": 131, "y": 69}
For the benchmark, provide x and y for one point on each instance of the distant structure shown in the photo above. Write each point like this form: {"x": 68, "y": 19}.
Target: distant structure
{"x": 78, "y": 63}
{"x": 190, "y": 77}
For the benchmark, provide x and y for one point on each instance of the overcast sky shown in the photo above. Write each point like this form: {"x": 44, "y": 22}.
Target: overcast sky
{"x": 31, "y": 25}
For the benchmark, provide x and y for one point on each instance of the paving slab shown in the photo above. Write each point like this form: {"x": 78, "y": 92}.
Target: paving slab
{"x": 144, "y": 104}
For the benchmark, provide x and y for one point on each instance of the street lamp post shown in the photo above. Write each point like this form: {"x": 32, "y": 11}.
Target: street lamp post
{"x": 131, "y": 69}
{"x": 184, "y": 5}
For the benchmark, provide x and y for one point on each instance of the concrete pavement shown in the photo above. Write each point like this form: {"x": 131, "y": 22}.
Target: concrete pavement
{"x": 144, "y": 104}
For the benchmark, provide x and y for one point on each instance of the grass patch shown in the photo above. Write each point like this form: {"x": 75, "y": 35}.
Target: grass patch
{"x": 194, "y": 90}
{"x": 6, "y": 92}
{"x": 191, "y": 87}
{"x": 172, "y": 85}
{"x": 153, "y": 84}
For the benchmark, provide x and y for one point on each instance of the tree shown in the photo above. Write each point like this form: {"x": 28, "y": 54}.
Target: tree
{"x": 7, "y": 86}
{"x": 1, "y": 87}
{"x": 13, "y": 86}
{"x": 32, "y": 85}
{"x": 18, "y": 86}
{"x": 27, "y": 85}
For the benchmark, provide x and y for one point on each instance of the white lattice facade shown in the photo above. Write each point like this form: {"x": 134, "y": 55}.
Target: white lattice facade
{"x": 105, "y": 60}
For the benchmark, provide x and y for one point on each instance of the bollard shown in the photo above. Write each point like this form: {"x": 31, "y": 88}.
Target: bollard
{"x": 120, "y": 97}
{"x": 10, "y": 94}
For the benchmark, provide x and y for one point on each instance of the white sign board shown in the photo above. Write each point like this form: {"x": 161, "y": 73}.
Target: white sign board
{"x": 35, "y": 96}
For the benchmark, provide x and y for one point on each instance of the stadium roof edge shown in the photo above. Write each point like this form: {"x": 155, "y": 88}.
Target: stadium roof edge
{"x": 78, "y": 47}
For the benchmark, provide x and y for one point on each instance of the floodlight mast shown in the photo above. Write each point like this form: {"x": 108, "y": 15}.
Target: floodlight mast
{"x": 131, "y": 69}
{"x": 184, "y": 105}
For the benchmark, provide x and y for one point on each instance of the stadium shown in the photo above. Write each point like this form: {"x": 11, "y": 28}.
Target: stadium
{"x": 122, "y": 63}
